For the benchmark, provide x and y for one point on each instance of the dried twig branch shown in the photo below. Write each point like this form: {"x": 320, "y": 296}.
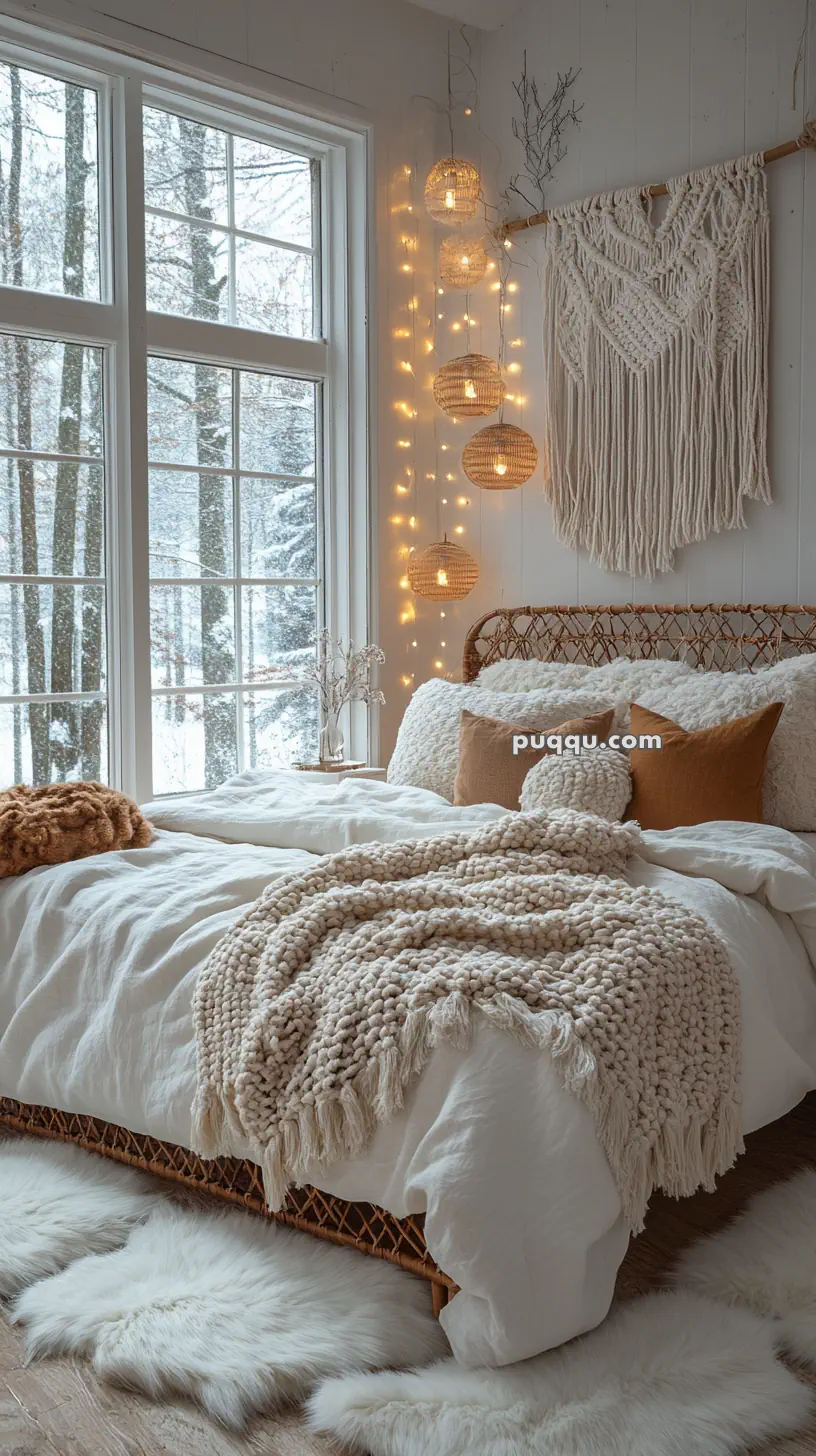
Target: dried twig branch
{"x": 541, "y": 131}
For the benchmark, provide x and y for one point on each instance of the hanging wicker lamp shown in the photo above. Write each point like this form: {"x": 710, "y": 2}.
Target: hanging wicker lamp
{"x": 443, "y": 572}
{"x": 500, "y": 457}
{"x": 452, "y": 190}
{"x": 469, "y": 385}
{"x": 462, "y": 261}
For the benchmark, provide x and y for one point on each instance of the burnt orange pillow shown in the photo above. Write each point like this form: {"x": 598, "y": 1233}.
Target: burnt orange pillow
{"x": 713, "y": 773}
{"x": 490, "y": 772}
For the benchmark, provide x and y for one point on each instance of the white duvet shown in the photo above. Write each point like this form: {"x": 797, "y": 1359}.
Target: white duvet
{"x": 98, "y": 960}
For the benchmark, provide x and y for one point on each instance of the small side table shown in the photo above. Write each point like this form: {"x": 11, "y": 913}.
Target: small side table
{"x": 348, "y": 769}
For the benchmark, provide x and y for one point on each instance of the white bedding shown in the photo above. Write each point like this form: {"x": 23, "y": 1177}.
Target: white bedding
{"x": 98, "y": 960}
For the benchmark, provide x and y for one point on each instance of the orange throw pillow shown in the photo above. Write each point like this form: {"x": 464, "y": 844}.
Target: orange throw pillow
{"x": 490, "y": 772}
{"x": 713, "y": 773}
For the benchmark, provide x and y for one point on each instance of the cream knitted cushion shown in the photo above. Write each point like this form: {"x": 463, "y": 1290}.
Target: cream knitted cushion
{"x": 427, "y": 748}
{"x": 597, "y": 781}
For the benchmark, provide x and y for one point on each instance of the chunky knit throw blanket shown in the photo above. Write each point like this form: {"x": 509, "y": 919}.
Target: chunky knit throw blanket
{"x": 320, "y": 1007}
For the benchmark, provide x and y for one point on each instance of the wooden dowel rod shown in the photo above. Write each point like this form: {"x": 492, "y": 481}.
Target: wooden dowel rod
{"x": 659, "y": 189}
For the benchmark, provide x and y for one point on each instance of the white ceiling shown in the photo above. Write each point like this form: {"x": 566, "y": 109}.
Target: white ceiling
{"x": 486, "y": 14}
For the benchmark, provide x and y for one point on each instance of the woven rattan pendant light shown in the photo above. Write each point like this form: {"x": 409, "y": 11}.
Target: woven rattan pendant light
{"x": 443, "y": 572}
{"x": 470, "y": 385}
{"x": 462, "y": 261}
{"x": 452, "y": 190}
{"x": 500, "y": 457}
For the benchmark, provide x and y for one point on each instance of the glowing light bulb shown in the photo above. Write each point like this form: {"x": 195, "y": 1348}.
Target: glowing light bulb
{"x": 450, "y": 198}
{"x": 430, "y": 475}
{"x": 443, "y": 644}
{"x": 406, "y": 267}
{"x": 402, "y": 333}
{"x": 500, "y": 466}
{"x": 444, "y": 500}
{"x": 450, "y": 476}
{"x": 470, "y": 389}
{"x": 440, "y": 315}
{"x": 516, "y": 343}
{"x": 444, "y": 447}
{"x": 460, "y": 530}
{"x": 507, "y": 243}
{"x": 438, "y": 663}
{"x": 456, "y": 328}
{"x": 404, "y": 583}
{"x": 441, "y": 614}
{"x": 440, "y": 291}
{"x": 513, "y": 368}
{"x": 406, "y": 681}
{"x": 468, "y": 111}
{"x": 512, "y": 288}
{"x": 462, "y": 500}
{"x": 465, "y": 260}
{"x": 441, "y": 576}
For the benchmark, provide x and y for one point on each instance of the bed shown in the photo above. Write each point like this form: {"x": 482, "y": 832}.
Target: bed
{"x": 478, "y": 1220}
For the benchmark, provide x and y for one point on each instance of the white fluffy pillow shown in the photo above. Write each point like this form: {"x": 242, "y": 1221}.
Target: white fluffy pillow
{"x": 706, "y": 699}
{"x": 427, "y": 748}
{"x": 598, "y": 781}
{"x": 621, "y": 682}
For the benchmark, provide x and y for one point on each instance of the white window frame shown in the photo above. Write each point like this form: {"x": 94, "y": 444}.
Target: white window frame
{"x": 121, "y": 325}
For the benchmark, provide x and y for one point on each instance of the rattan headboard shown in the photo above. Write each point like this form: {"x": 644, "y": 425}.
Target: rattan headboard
{"x": 715, "y": 637}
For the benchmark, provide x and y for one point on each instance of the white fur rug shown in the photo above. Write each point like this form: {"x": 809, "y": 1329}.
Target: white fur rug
{"x": 237, "y": 1313}
{"x": 58, "y": 1202}
{"x": 668, "y": 1375}
{"x": 766, "y": 1261}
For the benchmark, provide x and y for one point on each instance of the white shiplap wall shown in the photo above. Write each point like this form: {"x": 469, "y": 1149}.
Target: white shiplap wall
{"x": 667, "y": 85}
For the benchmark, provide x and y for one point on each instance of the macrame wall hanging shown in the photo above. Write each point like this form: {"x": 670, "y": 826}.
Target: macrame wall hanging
{"x": 656, "y": 338}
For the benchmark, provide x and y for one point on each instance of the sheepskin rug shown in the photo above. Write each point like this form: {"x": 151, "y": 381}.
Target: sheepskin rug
{"x": 58, "y": 1202}
{"x": 766, "y": 1261}
{"x": 235, "y": 1312}
{"x": 668, "y": 1375}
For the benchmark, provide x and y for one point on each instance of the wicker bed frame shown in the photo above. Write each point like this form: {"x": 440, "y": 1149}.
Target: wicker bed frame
{"x": 715, "y": 637}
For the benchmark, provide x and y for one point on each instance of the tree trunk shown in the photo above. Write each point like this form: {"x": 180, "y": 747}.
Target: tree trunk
{"x": 65, "y": 717}
{"x": 216, "y": 657}
{"x": 93, "y": 598}
{"x": 34, "y": 637}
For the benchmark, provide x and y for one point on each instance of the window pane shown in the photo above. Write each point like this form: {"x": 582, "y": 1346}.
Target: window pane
{"x": 194, "y": 742}
{"x": 189, "y": 413}
{"x": 277, "y": 424}
{"x": 48, "y": 160}
{"x": 185, "y": 166}
{"x": 73, "y": 736}
{"x": 50, "y": 396}
{"x": 61, "y": 531}
{"x": 190, "y": 524}
{"x": 273, "y": 192}
{"x": 279, "y": 629}
{"x": 280, "y": 728}
{"x": 187, "y": 269}
{"x": 278, "y": 527}
{"x": 192, "y": 635}
{"x": 52, "y": 639}
{"x": 273, "y": 289}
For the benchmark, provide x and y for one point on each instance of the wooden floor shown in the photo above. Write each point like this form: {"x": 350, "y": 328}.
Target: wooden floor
{"x": 58, "y": 1406}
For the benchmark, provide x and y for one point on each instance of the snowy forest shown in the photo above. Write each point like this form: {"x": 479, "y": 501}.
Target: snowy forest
{"x": 233, "y": 455}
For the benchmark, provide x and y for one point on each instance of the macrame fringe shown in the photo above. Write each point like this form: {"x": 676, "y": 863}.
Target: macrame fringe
{"x": 656, "y": 348}
{"x": 685, "y": 1155}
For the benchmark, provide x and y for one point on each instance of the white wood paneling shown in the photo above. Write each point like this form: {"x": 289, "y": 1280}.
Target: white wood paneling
{"x": 669, "y": 85}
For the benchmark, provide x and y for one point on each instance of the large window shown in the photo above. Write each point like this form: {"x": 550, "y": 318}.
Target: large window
{"x": 182, "y": 379}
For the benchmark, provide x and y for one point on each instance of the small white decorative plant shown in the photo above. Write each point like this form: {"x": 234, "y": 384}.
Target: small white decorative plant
{"x": 343, "y": 675}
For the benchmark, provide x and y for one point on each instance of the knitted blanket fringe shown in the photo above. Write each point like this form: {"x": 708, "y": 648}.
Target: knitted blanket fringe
{"x": 656, "y": 342}
{"x": 258, "y": 1085}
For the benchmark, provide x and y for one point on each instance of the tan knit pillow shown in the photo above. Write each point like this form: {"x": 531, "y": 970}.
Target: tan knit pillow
{"x": 713, "y": 773}
{"x": 60, "y": 822}
{"x": 490, "y": 772}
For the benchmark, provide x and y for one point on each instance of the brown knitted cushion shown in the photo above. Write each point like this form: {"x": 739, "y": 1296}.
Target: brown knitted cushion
{"x": 59, "y": 822}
